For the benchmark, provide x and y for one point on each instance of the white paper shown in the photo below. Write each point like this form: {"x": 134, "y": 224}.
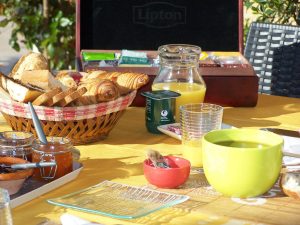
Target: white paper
{"x": 292, "y": 145}
{"x": 68, "y": 219}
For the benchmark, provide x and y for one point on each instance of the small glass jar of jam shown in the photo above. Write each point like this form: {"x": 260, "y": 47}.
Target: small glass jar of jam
{"x": 16, "y": 144}
{"x": 59, "y": 150}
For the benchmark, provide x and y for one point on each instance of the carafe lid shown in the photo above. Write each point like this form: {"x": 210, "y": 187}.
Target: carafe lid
{"x": 182, "y": 52}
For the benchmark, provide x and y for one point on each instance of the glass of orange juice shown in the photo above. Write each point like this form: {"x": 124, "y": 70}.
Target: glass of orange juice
{"x": 179, "y": 72}
{"x": 196, "y": 120}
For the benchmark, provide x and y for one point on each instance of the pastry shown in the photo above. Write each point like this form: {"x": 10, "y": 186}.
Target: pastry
{"x": 127, "y": 82}
{"x": 99, "y": 91}
{"x": 65, "y": 77}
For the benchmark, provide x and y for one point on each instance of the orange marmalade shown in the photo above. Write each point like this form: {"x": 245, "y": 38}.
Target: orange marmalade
{"x": 57, "y": 150}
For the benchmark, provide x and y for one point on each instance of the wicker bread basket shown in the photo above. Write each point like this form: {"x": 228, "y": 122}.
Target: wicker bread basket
{"x": 82, "y": 124}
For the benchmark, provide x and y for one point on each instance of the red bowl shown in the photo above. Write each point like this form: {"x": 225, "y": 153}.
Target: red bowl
{"x": 172, "y": 177}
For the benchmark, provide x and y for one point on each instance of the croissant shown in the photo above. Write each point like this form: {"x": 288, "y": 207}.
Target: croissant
{"x": 98, "y": 74}
{"x": 132, "y": 81}
{"x": 125, "y": 81}
{"x": 99, "y": 91}
{"x": 64, "y": 77}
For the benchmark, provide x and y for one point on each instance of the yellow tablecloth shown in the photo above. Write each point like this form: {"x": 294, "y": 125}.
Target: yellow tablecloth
{"x": 119, "y": 158}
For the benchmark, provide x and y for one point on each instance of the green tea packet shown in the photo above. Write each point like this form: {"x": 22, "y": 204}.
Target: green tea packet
{"x": 133, "y": 58}
{"x": 98, "y": 56}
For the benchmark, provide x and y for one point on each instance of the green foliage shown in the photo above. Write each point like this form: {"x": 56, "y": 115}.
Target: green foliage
{"x": 53, "y": 35}
{"x": 273, "y": 11}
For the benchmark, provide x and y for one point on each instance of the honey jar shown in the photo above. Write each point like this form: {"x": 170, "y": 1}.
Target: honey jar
{"x": 16, "y": 144}
{"x": 59, "y": 150}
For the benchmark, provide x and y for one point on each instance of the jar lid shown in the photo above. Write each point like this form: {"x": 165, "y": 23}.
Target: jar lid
{"x": 160, "y": 94}
{"x": 181, "y": 52}
{"x": 15, "y": 142}
{"x": 55, "y": 145}
{"x": 18, "y": 137}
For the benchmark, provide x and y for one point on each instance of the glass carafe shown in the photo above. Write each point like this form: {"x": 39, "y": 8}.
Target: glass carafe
{"x": 179, "y": 72}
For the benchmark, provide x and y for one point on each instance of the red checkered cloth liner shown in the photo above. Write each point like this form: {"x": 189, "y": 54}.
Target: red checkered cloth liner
{"x": 19, "y": 109}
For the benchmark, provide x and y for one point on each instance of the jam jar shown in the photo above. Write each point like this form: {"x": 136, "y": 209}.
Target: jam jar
{"x": 59, "y": 150}
{"x": 16, "y": 144}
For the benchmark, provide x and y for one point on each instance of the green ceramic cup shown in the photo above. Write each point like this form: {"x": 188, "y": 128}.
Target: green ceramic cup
{"x": 242, "y": 162}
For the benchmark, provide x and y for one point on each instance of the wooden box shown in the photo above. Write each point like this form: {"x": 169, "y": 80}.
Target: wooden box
{"x": 147, "y": 24}
{"x": 213, "y": 25}
{"x": 228, "y": 84}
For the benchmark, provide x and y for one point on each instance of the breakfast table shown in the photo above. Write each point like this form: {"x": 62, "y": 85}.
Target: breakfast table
{"x": 120, "y": 157}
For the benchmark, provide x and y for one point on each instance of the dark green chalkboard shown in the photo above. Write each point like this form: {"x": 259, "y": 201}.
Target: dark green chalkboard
{"x": 140, "y": 24}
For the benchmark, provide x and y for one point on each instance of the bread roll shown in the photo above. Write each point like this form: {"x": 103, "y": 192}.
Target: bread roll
{"x": 290, "y": 183}
{"x": 30, "y": 61}
{"x": 99, "y": 91}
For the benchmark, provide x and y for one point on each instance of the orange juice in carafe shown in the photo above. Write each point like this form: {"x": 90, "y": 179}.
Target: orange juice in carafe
{"x": 179, "y": 72}
{"x": 190, "y": 93}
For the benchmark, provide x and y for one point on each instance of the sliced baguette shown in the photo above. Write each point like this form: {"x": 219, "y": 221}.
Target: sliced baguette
{"x": 40, "y": 78}
{"x": 20, "y": 92}
{"x": 4, "y": 94}
{"x": 60, "y": 96}
{"x": 83, "y": 100}
{"x": 42, "y": 99}
{"x": 3, "y": 81}
{"x": 71, "y": 98}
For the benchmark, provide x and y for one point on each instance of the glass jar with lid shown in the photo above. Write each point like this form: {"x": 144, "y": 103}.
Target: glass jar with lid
{"x": 16, "y": 144}
{"x": 59, "y": 150}
{"x": 179, "y": 72}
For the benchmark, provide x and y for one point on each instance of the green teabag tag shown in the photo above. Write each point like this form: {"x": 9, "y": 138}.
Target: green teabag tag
{"x": 133, "y": 60}
{"x": 98, "y": 56}
{"x": 160, "y": 108}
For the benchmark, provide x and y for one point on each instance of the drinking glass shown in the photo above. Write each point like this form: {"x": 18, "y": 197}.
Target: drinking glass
{"x": 5, "y": 214}
{"x": 196, "y": 120}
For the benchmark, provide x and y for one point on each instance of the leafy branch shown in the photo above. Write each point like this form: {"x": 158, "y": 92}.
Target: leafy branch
{"x": 275, "y": 11}
{"x": 46, "y": 25}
